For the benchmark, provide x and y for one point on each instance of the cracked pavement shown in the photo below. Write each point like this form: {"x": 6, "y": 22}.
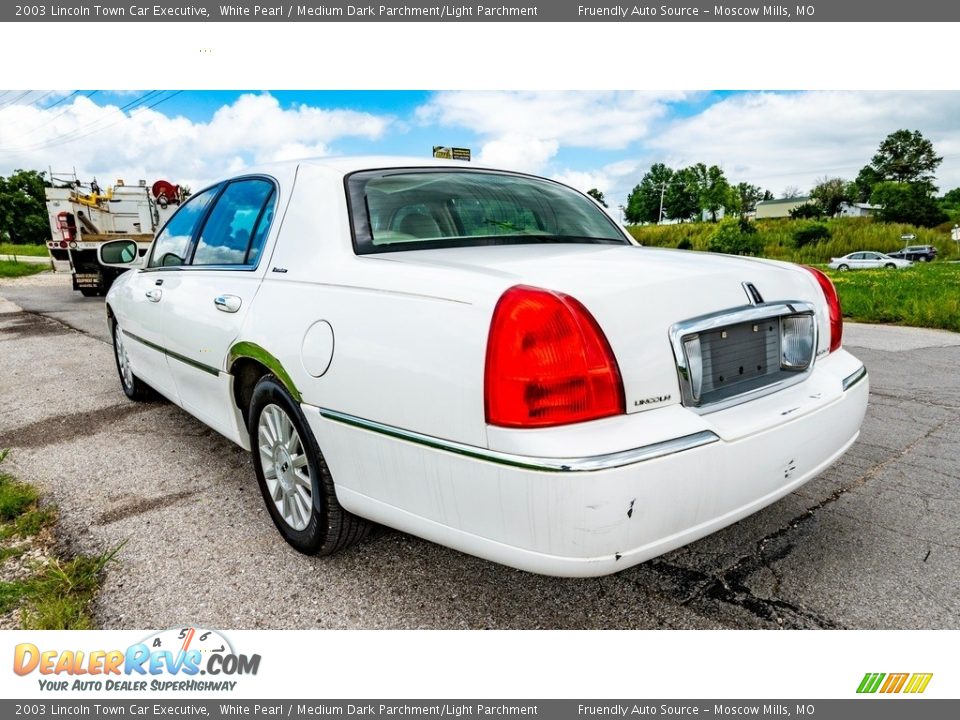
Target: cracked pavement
{"x": 874, "y": 542}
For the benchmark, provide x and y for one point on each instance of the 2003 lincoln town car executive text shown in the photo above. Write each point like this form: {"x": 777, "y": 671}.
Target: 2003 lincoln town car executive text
{"x": 484, "y": 359}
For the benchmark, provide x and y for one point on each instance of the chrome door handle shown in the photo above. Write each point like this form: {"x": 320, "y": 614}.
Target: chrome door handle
{"x": 227, "y": 303}
{"x": 154, "y": 295}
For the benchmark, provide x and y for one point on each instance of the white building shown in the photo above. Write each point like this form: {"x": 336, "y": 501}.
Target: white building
{"x": 858, "y": 210}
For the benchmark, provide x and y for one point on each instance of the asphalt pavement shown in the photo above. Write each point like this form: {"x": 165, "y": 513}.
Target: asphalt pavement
{"x": 872, "y": 543}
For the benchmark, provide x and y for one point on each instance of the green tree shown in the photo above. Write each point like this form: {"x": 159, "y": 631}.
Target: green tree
{"x": 747, "y": 196}
{"x": 912, "y": 203}
{"x": 735, "y": 237}
{"x": 714, "y": 190}
{"x": 831, "y": 193}
{"x": 951, "y": 200}
{"x": 23, "y": 213}
{"x": 643, "y": 202}
{"x": 906, "y": 157}
{"x": 598, "y": 196}
{"x": 863, "y": 185}
{"x": 806, "y": 211}
{"x": 681, "y": 201}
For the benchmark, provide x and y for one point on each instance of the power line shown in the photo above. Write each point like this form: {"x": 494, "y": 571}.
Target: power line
{"x": 73, "y": 138}
{"x": 77, "y": 132}
{"x": 51, "y": 119}
{"x": 34, "y": 103}
{"x": 16, "y": 99}
{"x": 67, "y": 97}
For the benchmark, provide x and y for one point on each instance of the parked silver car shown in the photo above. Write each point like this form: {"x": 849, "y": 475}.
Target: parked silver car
{"x": 868, "y": 261}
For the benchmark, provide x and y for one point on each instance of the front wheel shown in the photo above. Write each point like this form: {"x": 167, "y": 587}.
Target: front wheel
{"x": 293, "y": 476}
{"x": 890, "y": 266}
{"x": 843, "y": 268}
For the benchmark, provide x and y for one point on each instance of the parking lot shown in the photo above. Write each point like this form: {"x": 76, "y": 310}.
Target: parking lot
{"x": 872, "y": 543}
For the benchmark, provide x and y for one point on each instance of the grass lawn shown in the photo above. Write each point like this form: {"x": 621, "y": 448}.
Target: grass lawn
{"x": 39, "y": 589}
{"x": 13, "y": 249}
{"x": 925, "y": 295}
{"x": 9, "y": 269}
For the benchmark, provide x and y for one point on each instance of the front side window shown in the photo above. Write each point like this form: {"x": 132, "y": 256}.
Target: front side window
{"x": 172, "y": 244}
{"x": 420, "y": 209}
{"x": 236, "y": 227}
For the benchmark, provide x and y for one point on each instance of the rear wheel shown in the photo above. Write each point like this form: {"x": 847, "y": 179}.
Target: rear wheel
{"x": 293, "y": 476}
{"x": 890, "y": 266}
{"x": 133, "y": 387}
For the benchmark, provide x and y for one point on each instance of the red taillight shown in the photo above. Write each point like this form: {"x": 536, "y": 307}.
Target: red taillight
{"x": 548, "y": 362}
{"x": 833, "y": 304}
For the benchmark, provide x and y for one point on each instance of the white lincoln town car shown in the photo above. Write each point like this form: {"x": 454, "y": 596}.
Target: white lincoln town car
{"x": 484, "y": 359}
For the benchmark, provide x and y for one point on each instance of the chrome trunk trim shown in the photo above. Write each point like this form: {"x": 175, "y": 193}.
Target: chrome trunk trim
{"x": 682, "y": 331}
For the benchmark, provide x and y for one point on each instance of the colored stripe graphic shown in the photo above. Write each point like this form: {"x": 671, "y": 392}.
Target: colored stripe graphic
{"x": 894, "y": 683}
{"x": 870, "y": 682}
{"x": 918, "y": 683}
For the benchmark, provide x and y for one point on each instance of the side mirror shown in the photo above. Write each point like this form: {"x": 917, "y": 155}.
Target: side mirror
{"x": 119, "y": 253}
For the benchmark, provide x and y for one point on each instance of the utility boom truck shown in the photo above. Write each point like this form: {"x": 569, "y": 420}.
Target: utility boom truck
{"x": 82, "y": 217}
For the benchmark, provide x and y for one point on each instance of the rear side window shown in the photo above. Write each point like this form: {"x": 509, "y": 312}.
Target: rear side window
{"x": 237, "y": 226}
{"x": 172, "y": 244}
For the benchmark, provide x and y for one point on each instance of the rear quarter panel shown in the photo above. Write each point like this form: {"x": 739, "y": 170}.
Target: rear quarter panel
{"x": 406, "y": 357}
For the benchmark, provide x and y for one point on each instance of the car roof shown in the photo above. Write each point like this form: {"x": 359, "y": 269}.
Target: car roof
{"x": 344, "y": 165}
{"x": 349, "y": 164}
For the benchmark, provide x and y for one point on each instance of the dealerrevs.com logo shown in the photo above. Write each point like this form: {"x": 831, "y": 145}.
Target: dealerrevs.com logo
{"x": 169, "y": 660}
{"x": 885, "y": 683}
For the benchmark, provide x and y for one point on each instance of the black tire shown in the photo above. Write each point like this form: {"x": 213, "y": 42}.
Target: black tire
{"x": 133, "y": 387}
{"x": 843, "y": 268}
{"x": 330, "y": 528}
{"x": 89, "y": 292}
{"x": 890, "y": 266}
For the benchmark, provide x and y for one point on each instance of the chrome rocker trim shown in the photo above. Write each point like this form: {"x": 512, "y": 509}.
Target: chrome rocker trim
{"x": 561, "y": 465}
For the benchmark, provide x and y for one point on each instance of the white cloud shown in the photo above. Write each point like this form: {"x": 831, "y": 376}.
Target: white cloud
{"x": 781, "y": 139}
{"x": 525, "y": 130}
{"x": 527, "y": 154}
{"x": 147, "y": 144}
{"x": 608, "y": 179}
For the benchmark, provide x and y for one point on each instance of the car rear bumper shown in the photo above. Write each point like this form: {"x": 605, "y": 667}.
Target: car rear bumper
{"x": 549, "y": 515}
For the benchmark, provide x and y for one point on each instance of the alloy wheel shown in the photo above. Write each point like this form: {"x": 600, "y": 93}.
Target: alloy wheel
{"x": 285, "y": 466}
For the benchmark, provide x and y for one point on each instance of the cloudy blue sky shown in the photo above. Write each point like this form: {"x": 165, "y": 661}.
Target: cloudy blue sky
{"x": 589, "y": 139}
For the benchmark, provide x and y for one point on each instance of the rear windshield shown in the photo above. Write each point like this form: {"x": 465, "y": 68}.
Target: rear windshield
{"x": 424, "y": 208}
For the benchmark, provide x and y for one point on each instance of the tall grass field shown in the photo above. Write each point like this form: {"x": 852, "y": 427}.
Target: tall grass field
{"x": 925, "y": 295}
{"x": 847, "y": 235}
{"x": 11, "y": 269}
{"x": 14, "y": 249}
